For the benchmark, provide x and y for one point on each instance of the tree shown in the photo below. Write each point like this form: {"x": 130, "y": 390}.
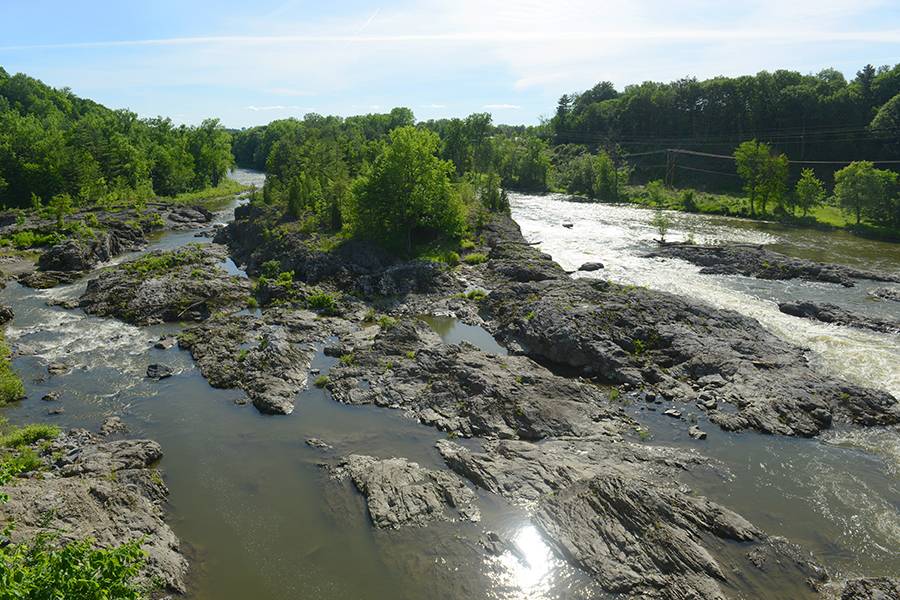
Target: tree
{"x": 861, "y": 189}
{"x": 764, "y": 174}
{"x": 606, "y": 178}
{"x": 408, "y": 193}
{"x": 661, "y": 223}
{"x": 61, "y": 205}
{"x": 809, "y": 191}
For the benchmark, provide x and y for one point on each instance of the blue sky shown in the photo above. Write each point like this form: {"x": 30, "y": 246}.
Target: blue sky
{"x": 251, "y": 62}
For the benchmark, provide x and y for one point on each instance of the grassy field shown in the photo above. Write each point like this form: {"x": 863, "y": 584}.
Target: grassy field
{"x": 226, "y": 189}
{"x": 825, "y": 216}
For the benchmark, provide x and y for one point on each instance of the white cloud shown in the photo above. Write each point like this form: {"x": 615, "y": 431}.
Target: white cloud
{"x": 281, "y": 91}
{"x": 502, "y": 106}
{"x": 434, "y": 106}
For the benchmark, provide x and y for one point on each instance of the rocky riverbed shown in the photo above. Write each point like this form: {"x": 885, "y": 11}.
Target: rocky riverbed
{"x": 539, "y": 422}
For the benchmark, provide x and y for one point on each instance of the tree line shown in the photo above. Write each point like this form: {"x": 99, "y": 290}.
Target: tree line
{"x": 821, "y": 117}
{"x": 53, "y": 143}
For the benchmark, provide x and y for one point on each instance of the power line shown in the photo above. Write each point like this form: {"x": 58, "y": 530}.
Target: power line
{"x": 731, "y": 158}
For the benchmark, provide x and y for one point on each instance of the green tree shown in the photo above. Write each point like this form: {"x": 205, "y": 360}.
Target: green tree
{"x": 861, "y": 189}
{"x": 606, "y": 178}
{"x": 61, "y": 206}
{"x": 408, "y": 193}
{"x": 809, "y": 191}
{"x": 764, "y": 174}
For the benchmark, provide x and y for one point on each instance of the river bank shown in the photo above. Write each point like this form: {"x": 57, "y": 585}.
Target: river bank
{"x": 247, "y": 490}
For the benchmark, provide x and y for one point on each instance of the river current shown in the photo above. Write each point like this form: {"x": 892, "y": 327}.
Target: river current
{"x": 260, "y": 518}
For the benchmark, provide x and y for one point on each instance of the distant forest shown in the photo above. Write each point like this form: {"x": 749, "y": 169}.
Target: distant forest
{"x": 812, "y": 118}
{"x": 53, "y": 143}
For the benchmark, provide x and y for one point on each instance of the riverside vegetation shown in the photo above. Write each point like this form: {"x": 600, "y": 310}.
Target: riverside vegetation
{"x": 366, "y": 224}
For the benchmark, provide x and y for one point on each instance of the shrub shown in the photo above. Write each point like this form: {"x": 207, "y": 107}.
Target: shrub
{"x": 452, "y": 258}
{"x": 27, "y": 435}
{"x": 271, "y": 269}
{"x": 386, "y": 322}
{"x": 323, "y": 302}
{"x": 42, "y": 568}
{"x": 321, "y": 381}
{"x": 11, "y": 388}
{"x": 475, "y": 258}
{"x": 476, "y": 295}
{"x": 467, "y": 244}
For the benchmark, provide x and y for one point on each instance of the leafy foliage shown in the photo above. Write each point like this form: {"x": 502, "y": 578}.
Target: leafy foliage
{"x": 72, "y": 151}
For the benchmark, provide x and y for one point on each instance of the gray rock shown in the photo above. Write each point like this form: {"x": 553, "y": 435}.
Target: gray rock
{"x": 591, "y": 266}
{"x": 58, "y": 368}
{"x": 56, "y": 411}
{"x": 619, "y": 334}
{"x": 886, "y": 293}
{"x": 613, "y": 509}
{"x": 317, "y": 443}
{"x": 83, "y": 254}
{"x": 756, "y": 261}
{"x": 460, "y": 389}
{"x": 671, "y": 412}
{"x": 830, "y": 313}
{"x": 874, "y": 588}
{"x": 108, "y": 491}
{"x": 267, "y": 357}
{"x": 51, "y": 396}
{"x": 696, "y": 433}
{"x": 6, "y": 314}
{"x": 158, "y": 371}
{"x": 401, "y": 493}
{"x": 188, "y": 284}
{"x": 113, "y": 425}
{"x": 166, "y": 342}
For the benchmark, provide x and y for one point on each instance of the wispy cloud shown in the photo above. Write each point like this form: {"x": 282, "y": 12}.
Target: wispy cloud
{"x": 281, "y": 91}
{"x": 502, "y": 106}
{"x": 890, "y": 36}
{"x": 275, "y": 107}
{"x": 434, "y": 106}
{"x": 371, "y": 18}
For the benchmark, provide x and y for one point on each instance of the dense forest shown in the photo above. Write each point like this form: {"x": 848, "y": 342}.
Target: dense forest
{"x": 809, "y": 118}
{"x": 53, "y": 143}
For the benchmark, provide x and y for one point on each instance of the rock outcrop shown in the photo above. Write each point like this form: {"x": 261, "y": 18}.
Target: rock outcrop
{"x": 267, "y": 357}
{"x": 353, "y": 265}
{"x": 464, "y": 391}
{"x": 176, "y": 285}
{"x": 108, "y": 491}
{"x": 402, "y": 493}
{"x": 614, "y": 509}
{"x": 835, "y": 315}
{"x": 756, "y": 261}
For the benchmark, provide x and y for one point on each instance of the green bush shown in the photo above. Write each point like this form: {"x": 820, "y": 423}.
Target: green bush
{"x": 475, "y": 258}
{"x": 78, "y": 570}
{"x": 27, "y": 435}
{"x": 321, "y": 381}
{"x": 11, "y": 388}
{"x": 323, "y": 302}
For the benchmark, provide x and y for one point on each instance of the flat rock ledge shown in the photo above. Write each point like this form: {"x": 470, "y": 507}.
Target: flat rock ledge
{"x": 105, "y": 490}
{"x": 401, "y": 493}
{"x": 465, "y": 391}
{"x": 835, "y": 315}
{"x": 267, "y": 357}
{"x": 176, "y": 285}
{"x": 757, "y": 261}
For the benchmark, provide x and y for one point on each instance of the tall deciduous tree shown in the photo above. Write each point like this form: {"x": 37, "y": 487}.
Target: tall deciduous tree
{"x": 862, "y": 190}
{"x": 408, "y": 192}
{"x": 809, "y": 191}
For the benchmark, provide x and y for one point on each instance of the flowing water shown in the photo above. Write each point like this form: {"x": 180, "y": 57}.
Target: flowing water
{"x": 261, "y": 519}
{"x": 839, "y": 495}
{"x": 255, "y": 510}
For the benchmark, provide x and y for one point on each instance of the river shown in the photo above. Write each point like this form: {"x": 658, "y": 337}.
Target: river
{"x": 260, "y": 518}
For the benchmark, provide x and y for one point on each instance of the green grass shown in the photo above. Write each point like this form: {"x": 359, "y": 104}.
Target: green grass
{"x": 475, "y": 258}
{"x": 209, "y": 196}
{"x": 158, "y": 264}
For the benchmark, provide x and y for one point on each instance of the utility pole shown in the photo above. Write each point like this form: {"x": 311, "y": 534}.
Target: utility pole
{"x": 670, "y": 168}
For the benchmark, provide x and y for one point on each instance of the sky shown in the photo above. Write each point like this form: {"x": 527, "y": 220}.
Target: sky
{"x": 249, "y": 63}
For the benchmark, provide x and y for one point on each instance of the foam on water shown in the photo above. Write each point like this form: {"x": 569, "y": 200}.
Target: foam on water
{"x": 619, "y": 235}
